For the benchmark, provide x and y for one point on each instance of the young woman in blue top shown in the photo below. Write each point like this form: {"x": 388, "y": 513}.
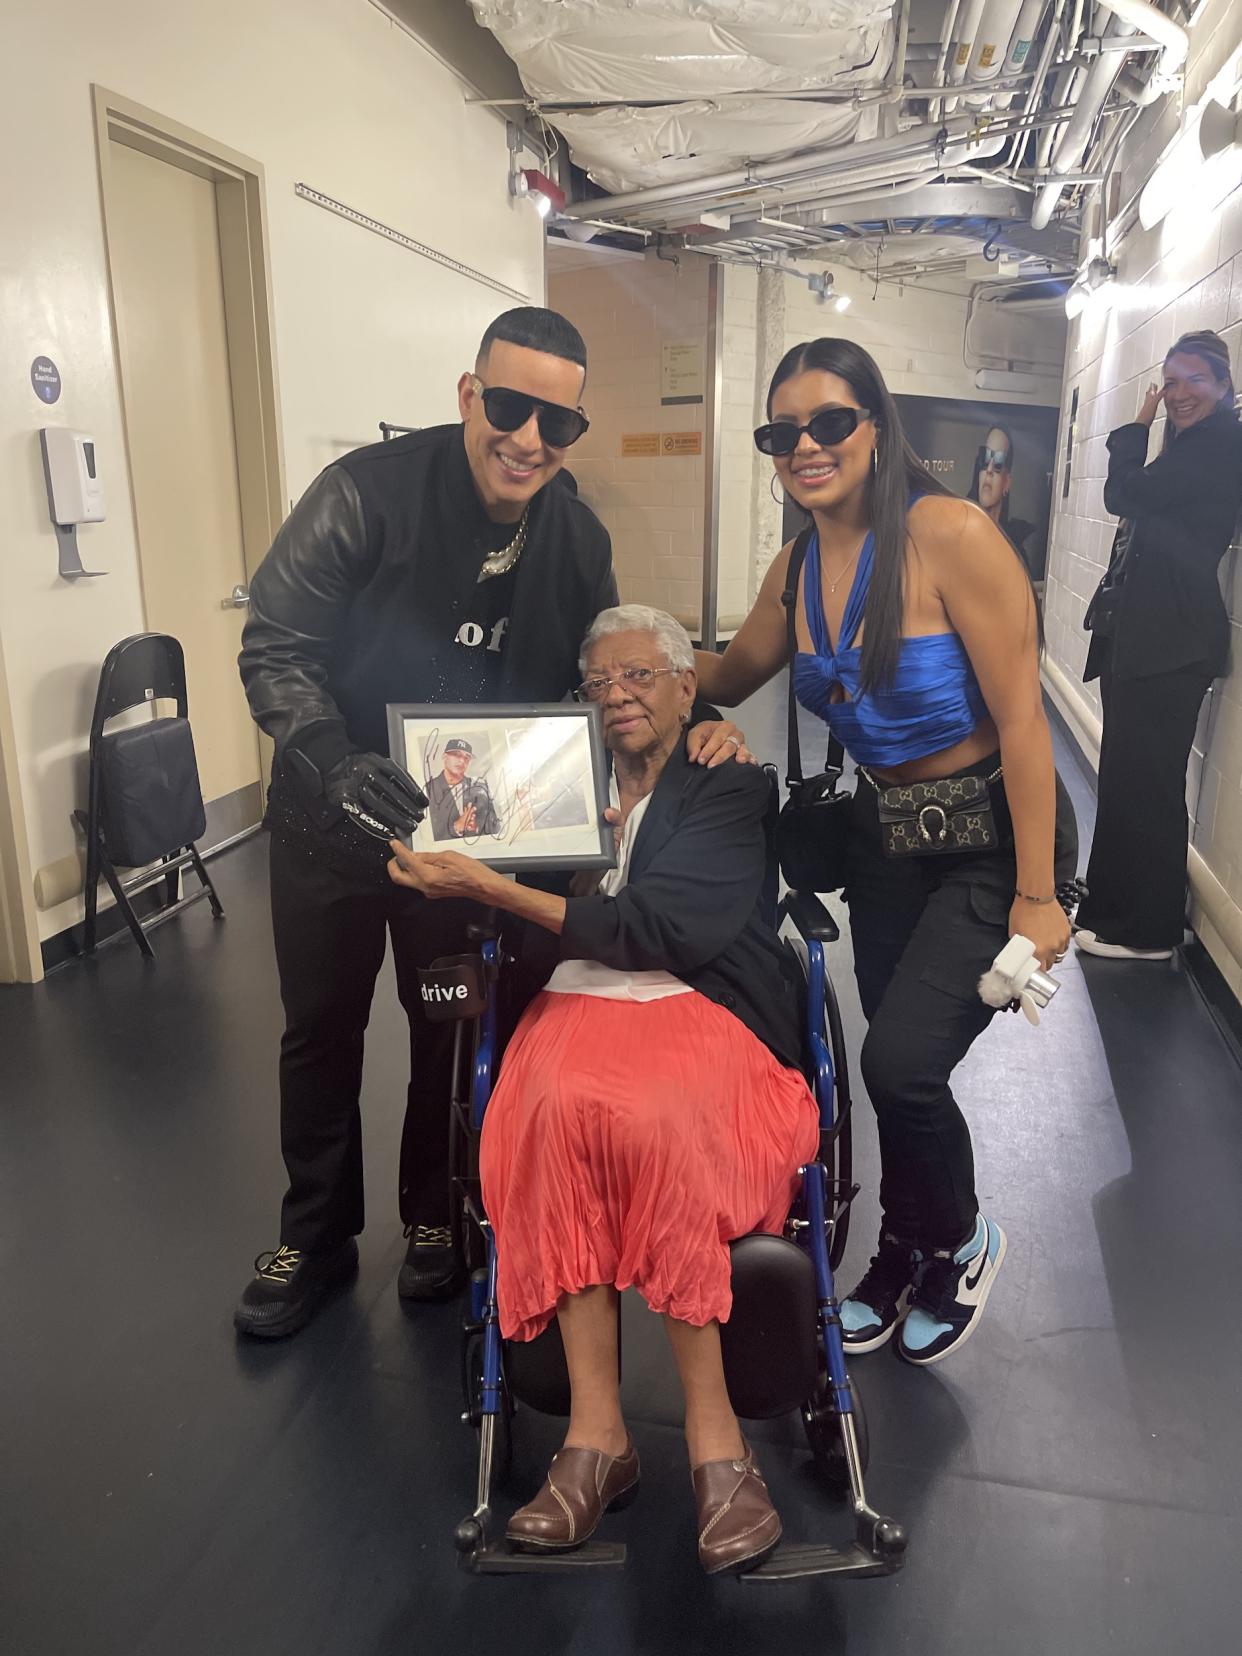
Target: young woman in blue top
{"x": 918, "y": 643}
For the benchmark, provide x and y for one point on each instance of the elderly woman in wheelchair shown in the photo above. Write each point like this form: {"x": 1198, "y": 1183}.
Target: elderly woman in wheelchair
{"x": 650, "y": 1107}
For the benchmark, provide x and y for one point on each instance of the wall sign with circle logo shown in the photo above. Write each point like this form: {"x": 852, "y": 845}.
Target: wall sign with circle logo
{"x": 45, "y": 377}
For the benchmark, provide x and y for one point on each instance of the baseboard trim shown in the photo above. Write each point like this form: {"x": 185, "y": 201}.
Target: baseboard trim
{"x": 1217, "y": 996}
{"x": 1210, "y": 902}
{"x": 1069, "y": 733}
{"x": 65, "y": 947}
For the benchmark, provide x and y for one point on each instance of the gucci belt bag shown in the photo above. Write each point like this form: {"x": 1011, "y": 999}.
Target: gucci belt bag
{"x": 928, "y": 819}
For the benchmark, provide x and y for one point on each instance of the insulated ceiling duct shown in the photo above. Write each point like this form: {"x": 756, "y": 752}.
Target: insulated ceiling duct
{"x": 627, "y": 148}
{"x": 683, "y": 54}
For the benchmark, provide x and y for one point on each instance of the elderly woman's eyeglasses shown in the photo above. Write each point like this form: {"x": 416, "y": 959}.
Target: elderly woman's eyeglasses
{"x": 633, "y": 679}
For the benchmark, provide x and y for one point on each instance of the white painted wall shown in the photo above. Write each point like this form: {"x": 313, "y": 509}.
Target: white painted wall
{"x": 1187, "y": 273}
{"x": 327, "y": 92}
{"x": 626, "y": 309}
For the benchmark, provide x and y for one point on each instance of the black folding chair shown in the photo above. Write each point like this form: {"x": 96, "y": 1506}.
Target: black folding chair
{"x": 145, "y": 805}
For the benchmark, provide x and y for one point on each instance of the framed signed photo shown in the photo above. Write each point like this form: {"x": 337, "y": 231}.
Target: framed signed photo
{"x": 516, "y": 787}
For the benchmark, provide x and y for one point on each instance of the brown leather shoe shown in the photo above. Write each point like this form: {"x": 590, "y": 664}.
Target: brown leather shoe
{"x": 738, "y": 1525}
{"x": 581, "y": 1486}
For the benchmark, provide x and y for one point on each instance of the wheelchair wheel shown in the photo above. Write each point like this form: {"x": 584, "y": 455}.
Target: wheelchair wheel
{"x": 844, "y": 1148}
{"x": 823, "y": 1432}
{"x": 472, "y": 1391}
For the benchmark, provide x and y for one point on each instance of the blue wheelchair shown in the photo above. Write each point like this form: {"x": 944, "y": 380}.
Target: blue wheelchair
{"x": 782, "y": 1345}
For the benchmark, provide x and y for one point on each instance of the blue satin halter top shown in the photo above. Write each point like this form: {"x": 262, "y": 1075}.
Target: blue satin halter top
{"x": 933, "y": 702}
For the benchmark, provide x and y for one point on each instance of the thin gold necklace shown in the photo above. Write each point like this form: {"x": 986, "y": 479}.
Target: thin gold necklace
{"x": 833, "y": 585}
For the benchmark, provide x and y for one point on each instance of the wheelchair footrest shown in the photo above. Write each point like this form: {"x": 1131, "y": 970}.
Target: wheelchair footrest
{"x": 797, "y": 1561}
{"x": 501, "y": 1559}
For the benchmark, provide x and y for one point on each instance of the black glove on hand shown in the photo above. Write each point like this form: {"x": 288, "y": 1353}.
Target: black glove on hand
{"x": 375, "y": 792}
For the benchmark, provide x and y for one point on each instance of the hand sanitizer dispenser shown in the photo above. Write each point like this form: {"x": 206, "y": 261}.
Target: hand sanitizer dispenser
{"x": 74, "y": 492}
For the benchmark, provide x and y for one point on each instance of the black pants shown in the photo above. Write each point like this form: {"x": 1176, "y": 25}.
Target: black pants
{"x": 1136, "y": 879}
{"x": 925, "y": 929}
{"x": 331, "y": 930}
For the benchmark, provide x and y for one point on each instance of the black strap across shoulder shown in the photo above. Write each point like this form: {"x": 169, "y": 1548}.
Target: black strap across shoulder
{"x": 835, "y": 760}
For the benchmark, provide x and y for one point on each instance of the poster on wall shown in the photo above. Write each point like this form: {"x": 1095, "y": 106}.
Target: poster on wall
{"x": 1001, "y": 455}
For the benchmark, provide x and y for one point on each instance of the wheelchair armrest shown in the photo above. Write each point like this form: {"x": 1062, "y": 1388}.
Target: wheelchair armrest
{"x": 810, "y": 917}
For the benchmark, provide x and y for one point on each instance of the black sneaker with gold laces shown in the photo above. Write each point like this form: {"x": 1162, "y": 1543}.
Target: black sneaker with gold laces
{"x": 289, "y": 1286}
{"x": 432, "y": 1270}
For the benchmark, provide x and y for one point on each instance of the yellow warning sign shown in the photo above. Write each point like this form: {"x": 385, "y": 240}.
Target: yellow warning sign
{"x": 640, "y": 445}
{"x": 681, "y": 443}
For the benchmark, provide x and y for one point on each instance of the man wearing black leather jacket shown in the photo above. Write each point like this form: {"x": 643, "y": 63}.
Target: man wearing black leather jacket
{"x": 446, "y": 566}
{"x": 438, "y": 567}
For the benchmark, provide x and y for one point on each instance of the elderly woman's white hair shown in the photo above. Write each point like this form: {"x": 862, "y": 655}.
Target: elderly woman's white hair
{"x": 669, "y": 634}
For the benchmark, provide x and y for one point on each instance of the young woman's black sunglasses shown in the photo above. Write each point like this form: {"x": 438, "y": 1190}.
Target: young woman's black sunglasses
{"x": 829, "y": 426}
{"x": 509, "y": 411}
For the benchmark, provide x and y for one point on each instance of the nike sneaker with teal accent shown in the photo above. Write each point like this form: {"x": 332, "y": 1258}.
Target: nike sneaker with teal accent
{"x": 950, "y": 1295}
{"x": 880, "y": 1301}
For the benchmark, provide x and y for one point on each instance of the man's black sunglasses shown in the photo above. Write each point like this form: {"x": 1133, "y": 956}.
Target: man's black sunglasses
{"x": 829, "y": 426}
{"x": 509, "y": 411}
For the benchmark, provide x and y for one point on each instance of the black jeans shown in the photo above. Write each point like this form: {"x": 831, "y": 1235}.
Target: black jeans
{"x": 331, "y": 930}
{"x": 925, "y": 929}
{"x": 1136, "y": 879}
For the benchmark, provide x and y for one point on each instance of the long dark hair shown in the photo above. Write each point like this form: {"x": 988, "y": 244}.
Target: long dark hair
{"x": 1209, "y": 347}
{"x": 973, "y": 492}
{"x": 899, "y": 473}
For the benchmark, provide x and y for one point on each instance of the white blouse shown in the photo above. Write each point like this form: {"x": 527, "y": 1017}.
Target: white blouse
{"x": 589, "y": 977}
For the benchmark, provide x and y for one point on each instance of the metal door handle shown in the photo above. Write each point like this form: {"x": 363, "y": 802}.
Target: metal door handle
{"x": 239, "y": 598}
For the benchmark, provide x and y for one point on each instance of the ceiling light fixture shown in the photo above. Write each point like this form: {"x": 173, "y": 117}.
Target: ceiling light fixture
{"x": 1094, "y": 275}
{"x": 545, "y": 196}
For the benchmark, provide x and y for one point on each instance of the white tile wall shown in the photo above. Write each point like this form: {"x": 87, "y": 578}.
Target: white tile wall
{"x": 1186, "y": 273}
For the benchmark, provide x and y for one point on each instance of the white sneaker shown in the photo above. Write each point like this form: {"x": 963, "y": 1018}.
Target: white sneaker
{"x": 1090, "y": 944}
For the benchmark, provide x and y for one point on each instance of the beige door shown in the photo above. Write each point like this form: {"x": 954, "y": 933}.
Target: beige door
{"x": 164, "y": 251}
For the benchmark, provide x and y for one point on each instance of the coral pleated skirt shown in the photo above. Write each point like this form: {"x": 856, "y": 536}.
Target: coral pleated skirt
{"x": 629, "y": 1142}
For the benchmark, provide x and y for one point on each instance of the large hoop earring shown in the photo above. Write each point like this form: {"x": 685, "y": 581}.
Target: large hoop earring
{"x": 780, "y": 499}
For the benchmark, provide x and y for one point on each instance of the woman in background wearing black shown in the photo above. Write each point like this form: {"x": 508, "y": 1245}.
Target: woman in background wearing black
{"x": 1160, "y": 635}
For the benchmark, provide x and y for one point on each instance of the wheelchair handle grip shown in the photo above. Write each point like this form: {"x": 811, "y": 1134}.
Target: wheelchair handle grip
{"x": 810, "y": 916}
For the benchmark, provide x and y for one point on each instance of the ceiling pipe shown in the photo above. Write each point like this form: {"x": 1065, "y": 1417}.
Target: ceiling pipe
{"x": 946, "y": 41}
{"x": 1100, "y": 77}
{"x": 969, "y": 16}
{"x": 1021, "y": 39}
{"x": 829, "y": 184}
{"x": 1052, "y": 35}
{"x": 1076, "y": 135}
{"x": 1142, "y": 15}
{"x": 945, "y": 148}
{"x": 914, "y": 141}
{"x": 1066, "y": 89}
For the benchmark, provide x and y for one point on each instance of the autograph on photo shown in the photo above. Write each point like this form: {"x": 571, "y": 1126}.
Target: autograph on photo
{"x": 490, "y": 806}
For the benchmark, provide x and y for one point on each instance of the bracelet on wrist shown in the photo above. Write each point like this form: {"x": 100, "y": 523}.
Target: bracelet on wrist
{"x": 1027, "y": 898}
